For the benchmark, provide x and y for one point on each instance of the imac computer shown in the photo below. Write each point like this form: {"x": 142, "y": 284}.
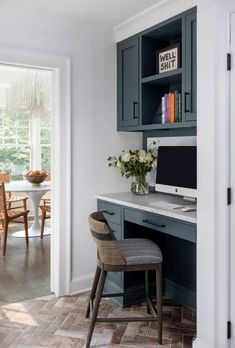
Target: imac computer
{"x": 177, "y": 170}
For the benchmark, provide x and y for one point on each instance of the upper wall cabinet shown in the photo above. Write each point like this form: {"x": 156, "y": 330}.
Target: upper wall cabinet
{"x": 157, "y": 76}
{"x": 128, "y": 83}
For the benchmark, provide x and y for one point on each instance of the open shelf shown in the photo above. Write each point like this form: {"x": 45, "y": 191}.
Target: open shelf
{"x": 152, "y": 93}
{"x": 160, "y": 38}
{"x": 169, "y": 77}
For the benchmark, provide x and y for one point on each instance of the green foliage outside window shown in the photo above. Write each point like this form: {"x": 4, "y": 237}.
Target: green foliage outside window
{"x": 14, "y": 160}
{"x": 15, "y": 152}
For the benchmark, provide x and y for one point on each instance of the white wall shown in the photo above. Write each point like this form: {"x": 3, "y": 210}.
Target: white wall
{"x": 212, "y": 115}
{"x": 94, "y": 135}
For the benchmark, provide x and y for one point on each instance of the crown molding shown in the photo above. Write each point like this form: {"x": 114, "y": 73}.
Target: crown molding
{"x": 157, "y": 13}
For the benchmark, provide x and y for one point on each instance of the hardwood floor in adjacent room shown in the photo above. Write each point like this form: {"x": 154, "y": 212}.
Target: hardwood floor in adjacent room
{"x": 60, "y": 322}
{"x": 24, "y": 272}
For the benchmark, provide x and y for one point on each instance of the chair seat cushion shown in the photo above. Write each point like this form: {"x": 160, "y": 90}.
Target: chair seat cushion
{"x": 138, "y": 251}
{"x": 13, "y": 214}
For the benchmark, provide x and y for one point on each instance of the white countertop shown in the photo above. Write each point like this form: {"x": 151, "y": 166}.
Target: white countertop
{"x": 154, "y": 203}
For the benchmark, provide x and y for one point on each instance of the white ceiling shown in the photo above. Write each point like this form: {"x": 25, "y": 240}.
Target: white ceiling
{"x": 105, "y": 12}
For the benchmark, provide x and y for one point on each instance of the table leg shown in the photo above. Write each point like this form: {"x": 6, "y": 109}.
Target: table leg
{"x": 35, "y": 229}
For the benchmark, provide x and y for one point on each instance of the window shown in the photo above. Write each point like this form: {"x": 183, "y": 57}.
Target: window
{"x": 24, "y": 144}
{"x": 25, "y": 138}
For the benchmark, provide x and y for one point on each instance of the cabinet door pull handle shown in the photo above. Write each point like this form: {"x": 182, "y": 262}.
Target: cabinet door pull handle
{"x": 186, "y": 94}
{"x": 152, "y": 223}
{"x": 107, "y": 212}
{"x": 135, "y": 104}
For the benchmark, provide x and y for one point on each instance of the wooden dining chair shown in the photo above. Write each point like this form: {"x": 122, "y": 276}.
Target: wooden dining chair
{"x": 46, "y": 208}
{"x": 6, "y": 216}
{"x": 11, "y": 199}
{"x": 134, "y": 254}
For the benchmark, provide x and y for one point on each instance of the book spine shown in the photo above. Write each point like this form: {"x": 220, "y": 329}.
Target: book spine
{"x": 172, "y": 107}
{"x": 166, "y": 108}
{"x": 176, "y": 106}
{"x": 163, "y": 111}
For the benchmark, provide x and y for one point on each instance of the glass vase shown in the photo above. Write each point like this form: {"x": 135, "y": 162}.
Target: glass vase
{"x": 140, "y": 186}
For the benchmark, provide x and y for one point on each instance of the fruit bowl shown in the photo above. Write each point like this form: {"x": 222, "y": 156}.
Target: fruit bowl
{"x": 35, "y": 177}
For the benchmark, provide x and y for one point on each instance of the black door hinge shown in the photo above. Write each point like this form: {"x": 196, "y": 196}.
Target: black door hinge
{"x": 229, "y": 327}
{"x": 229, "y": 194}
{"x": 228, "y": 61}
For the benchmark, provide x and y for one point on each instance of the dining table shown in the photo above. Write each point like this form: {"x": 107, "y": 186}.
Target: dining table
{"x": 35, "y": 192}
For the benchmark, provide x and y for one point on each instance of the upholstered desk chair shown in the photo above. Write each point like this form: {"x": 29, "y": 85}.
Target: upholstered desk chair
{"x": 6, "y": 216}
{"x": 122, "y": 256}
{"x": 12, "y": 199}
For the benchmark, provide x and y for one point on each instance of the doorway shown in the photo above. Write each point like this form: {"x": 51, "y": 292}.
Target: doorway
{"x": 26, "y": 114}
{"x": 61, "y": 159}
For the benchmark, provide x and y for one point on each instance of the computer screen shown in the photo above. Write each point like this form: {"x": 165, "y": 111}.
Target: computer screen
{"x": 177, "y": 170}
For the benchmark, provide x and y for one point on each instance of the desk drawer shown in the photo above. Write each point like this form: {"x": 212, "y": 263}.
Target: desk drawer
{"x": 111, "y": 212}
{"x": 162, "y": 224}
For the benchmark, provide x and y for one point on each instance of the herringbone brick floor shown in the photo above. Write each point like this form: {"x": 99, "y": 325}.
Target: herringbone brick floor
{"x": 60, "y": 322}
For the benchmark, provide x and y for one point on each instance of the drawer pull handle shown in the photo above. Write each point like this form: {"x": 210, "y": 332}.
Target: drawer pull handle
{"x": 135, "y": 104}
{"x": 108, "y": 212}
{"x": 186, "y": 95}
{"x": 154, "y": 224}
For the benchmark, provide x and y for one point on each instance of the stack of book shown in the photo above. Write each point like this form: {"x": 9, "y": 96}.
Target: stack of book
{"x": 171, "y": 107}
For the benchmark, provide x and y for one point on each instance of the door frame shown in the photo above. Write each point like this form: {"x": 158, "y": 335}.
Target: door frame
{"x": 231, "y": 313}
{"x": 61, "y": 159}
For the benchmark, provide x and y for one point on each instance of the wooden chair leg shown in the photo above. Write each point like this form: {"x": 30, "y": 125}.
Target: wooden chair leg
{"x": 147, "y": 289}
{"x": 26, "y": 228}
{"x": 5, "y": 232}
{"x": 43, "y": 223}
{"x": 159, "y": 301}
{"x": 93, "y": 291}
{"x": 25, "y": 204}
{"x": 98, "y": 295}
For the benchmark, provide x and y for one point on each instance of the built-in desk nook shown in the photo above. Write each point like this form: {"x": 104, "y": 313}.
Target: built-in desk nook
{"x": 160, "y": 218}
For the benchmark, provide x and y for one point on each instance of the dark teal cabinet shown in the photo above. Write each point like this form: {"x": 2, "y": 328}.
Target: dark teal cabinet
{"x": 190, "y": 100}
{"x": 128, "y": 83}
{"x": 141, "y": 88}
{"x": 177, "y": 240}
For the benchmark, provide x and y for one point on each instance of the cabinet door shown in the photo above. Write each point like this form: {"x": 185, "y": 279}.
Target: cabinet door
{"x": 190, "y": 100}
{"x": 128, "y": 83}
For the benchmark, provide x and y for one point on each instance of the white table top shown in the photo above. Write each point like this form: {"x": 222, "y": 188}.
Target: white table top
{"x": 153, "y": 202}
{"x": 25, "y": 186}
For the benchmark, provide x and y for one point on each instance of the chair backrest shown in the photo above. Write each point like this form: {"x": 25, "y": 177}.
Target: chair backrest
{"x": 3, "y": 205}
{"x": 5, "y": 177}
{"x": 105, "y": 240}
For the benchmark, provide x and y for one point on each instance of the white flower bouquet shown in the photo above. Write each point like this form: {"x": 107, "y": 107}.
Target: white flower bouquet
{"x": 135, "y": 164}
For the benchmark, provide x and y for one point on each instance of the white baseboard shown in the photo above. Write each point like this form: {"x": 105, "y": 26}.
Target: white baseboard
{"x": 81, "y": 284}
